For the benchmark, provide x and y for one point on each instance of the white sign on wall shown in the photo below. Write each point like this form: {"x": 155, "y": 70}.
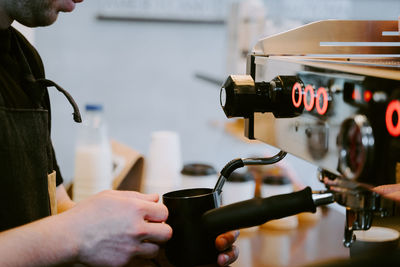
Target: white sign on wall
{"x": 184, "y": 10}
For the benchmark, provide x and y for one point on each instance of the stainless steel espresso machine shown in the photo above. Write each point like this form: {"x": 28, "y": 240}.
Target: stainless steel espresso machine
{"x": 329, "y": 93}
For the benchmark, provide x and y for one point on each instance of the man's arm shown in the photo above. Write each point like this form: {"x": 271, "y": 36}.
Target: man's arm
{"x": 107, "y": 229}
{"x": 391, "y": 191}
{"x": 40, "y": 243}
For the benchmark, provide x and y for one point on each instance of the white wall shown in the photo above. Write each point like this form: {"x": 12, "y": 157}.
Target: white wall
{"x": 29, "y": 33}
{"x": 144, "y": 74}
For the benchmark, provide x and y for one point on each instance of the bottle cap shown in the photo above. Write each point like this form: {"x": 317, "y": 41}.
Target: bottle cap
{"x": 93, "y": 107}
{"x": 198, "y": 169}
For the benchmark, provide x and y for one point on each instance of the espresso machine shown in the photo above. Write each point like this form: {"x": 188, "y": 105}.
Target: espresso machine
{"x": 329, "y": 93}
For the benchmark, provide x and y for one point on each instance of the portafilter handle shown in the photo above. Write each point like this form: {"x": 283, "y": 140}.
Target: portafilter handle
{"x": 257, "y": 211}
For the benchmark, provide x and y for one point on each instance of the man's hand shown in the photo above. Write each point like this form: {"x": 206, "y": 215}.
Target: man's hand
{"x": 114, "y": 226}
{"x": 224, "y": 243}
{"x": 391, "y": 191}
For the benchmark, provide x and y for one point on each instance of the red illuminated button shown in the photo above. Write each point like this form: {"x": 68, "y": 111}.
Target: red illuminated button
{"x": 367, "y": 96}
{"x": 356, "y": 95}
{"x": 322, "y": 107}
{"x": 393, "y": 127}
{"x": 296, "y": 87}
{"x": 309, "y": 105}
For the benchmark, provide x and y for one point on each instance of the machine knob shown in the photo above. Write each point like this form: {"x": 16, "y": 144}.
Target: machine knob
{"x": 356, "y": 145}
{"x": 284, "y": 90}
{"x": 240, "y": 96}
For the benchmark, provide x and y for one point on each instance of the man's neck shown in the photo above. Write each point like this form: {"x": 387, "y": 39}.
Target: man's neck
{"x": 5, "y": 19}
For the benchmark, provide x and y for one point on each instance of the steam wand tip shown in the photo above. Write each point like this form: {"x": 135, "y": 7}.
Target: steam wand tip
{"x": 226, "y": 172}
{"x": 219, "y": 184}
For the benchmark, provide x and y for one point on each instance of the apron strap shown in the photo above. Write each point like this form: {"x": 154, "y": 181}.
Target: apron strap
{"x": 47, "y": 83}
{"x": 30, "y": 78}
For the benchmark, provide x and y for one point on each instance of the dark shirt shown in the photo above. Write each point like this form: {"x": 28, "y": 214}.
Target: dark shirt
{"x": 13, "y": 88}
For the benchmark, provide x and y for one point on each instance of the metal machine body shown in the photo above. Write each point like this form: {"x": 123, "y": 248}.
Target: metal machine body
{"x": 329, "y": 93}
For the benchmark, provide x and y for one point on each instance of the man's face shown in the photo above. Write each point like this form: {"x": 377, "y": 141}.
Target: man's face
{"x": 37, "y": 12}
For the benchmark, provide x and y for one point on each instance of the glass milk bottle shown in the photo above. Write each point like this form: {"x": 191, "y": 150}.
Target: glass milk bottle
{"x": 93, "y": 156}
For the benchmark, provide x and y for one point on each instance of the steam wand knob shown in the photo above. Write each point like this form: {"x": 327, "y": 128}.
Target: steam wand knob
{"x": 241, "y": 96}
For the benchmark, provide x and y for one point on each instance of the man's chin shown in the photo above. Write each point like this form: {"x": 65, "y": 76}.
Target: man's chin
{"x": 50, "y": 14}
{"x": 44, "y": 21}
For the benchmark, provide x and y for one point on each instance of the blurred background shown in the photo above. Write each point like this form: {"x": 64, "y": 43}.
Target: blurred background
{"x": 158, "y": 65}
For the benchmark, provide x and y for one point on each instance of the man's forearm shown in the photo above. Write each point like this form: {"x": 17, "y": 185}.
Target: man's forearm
{"x": 107, "y": 229}
{"x": 41, "y": 243}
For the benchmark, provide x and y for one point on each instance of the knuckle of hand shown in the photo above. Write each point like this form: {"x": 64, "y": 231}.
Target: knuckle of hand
{"x": 136, "y": 207}
{"x": 139, "y": 232}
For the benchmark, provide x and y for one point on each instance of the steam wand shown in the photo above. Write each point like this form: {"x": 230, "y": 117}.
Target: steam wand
{"x": 238, "y": 163}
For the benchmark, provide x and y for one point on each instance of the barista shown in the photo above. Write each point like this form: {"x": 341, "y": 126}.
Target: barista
{"x": 108, "y": 229}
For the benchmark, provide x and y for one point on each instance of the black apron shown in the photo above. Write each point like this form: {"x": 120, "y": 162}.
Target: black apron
{"x": 26, "y": 157}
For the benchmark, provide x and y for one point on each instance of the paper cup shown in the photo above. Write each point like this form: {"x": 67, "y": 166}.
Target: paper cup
{"x": 164, "y": 162}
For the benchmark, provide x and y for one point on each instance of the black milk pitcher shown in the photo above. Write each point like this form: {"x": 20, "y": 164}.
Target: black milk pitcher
{"x": 197, "y": 219}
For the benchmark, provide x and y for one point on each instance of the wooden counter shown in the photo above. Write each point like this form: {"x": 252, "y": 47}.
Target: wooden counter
{"x": 310, "y": 242}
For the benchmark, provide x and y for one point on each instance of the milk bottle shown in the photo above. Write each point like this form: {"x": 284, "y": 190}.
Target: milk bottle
{"x": 93, "y": 156}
